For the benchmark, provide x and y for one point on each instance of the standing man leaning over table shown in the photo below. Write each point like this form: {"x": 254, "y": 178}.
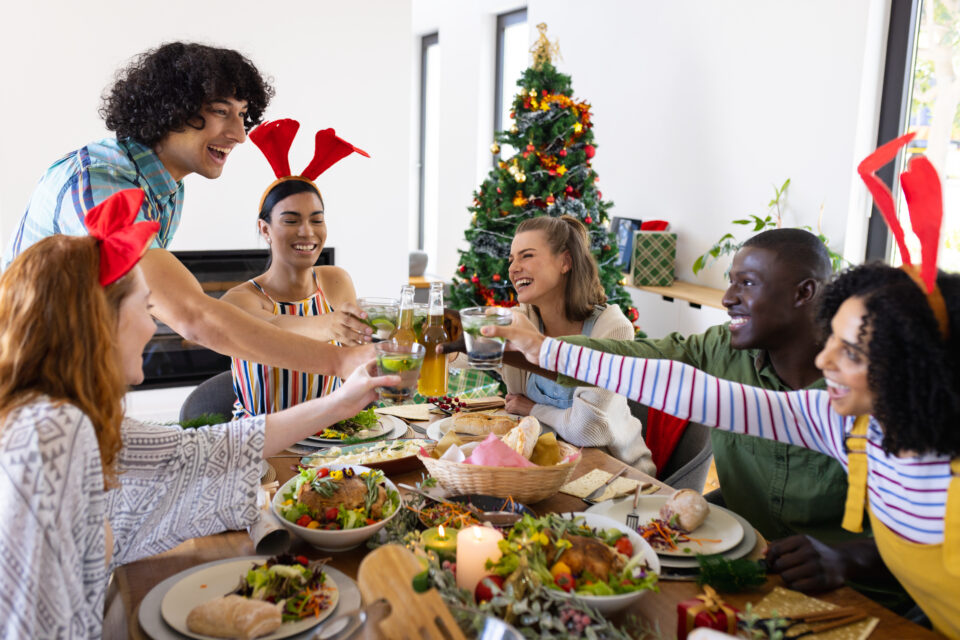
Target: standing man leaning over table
{"x": 783, "y": 490}
{"x": 176, "y": 110}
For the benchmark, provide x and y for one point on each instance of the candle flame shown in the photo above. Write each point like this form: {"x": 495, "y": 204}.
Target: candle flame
{"x": 477, "y": 534}
{"x": 442, "y": 534}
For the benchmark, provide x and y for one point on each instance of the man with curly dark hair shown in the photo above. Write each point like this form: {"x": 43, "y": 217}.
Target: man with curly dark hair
{"x": 178, "y": 109}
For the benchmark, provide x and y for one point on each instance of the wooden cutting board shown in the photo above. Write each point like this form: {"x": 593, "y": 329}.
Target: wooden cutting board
{"x": 388, "y": 573}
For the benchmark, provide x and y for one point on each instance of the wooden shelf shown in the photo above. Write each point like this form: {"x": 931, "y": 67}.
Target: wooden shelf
{"x": 695, "y": 294}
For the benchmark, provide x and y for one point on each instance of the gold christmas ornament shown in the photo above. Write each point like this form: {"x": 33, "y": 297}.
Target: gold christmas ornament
{"x": 522, "y": 177}
{"x": 543, "y": 50}
{"x": 514, "y": 129}
{"x": 494, "y": 148}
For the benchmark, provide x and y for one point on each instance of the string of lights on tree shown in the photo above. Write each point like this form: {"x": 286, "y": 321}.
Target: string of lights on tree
{"x": 551, "y": 174}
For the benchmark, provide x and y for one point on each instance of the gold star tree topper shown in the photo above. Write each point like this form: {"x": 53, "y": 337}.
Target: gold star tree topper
{"x": 543, "y": 50}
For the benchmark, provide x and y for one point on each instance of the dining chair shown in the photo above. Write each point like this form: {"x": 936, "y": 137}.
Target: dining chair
{"x": 689, "y": 463}
{"x": 213, "y": 395}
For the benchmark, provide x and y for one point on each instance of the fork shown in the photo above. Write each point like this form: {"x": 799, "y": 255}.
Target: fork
{"x": 633, "y": 518}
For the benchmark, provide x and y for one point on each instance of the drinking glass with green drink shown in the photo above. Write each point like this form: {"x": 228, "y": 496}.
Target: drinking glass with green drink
{"x": 403, "y": 360}
{"x": 484, "y": 352}
{"x": 382, "y": 316}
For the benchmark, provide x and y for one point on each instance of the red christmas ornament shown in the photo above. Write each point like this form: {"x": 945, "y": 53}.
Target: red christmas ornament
{"x": 562, "y": 153}
{"x": 530, "y": 147}
{"x": 599, "y": 194}
{"x": 550, "y": 200}
{"x": 590, "y": 150}
{"x": 526, "y": 154}
{"x": 496, "y": 277}
{"x": 498, "y": 190}
{"x": 463, "y": 268}
{"x": 552, "y": 172}
{"x": 544, "y": 93}
{"x": 633, "y": 314}
{"x": 569, "y": 189}
{"x": 588, "y": 220}
{"x": 606, "y": 247}
{"x": 513, "y": 115}
{"x": 474, "y": 279}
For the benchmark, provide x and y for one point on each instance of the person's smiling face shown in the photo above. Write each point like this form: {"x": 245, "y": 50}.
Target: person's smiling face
{"x": 536, "y": 272}
{"x": 844, "y": 360}
{"x": 761, "y": 300}
{"x": 204, "y": 151}
{"x": 296, "y": 231}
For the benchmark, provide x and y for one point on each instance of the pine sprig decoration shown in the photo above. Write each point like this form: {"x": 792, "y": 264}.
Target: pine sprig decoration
{"x": 550, "y": 174}
{"x": 730, "y": 576}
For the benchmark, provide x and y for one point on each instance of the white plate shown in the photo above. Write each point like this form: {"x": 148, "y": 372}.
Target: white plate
{"x": 719, "y": 525}
{"x": 620, "y": 507}
{"x": 216, "y": 581}
{"x": 611, "y": 604}
{"x": 398, "y": 426}
{"x": 385, "y": 424}
{"x": 436, "y": 430}
{"x": 148, "y": 613}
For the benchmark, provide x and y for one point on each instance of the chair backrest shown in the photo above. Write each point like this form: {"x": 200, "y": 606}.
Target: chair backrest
{"x": 213, "y": 395}
{"x": 689, "y": 463}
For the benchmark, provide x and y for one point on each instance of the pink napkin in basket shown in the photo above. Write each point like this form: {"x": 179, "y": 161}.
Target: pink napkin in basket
{"x": 493, "y": 453}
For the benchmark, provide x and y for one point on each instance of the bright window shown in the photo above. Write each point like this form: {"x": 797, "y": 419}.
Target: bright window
{"x": 426, "y": 239}
{"x": 512, "y": 59}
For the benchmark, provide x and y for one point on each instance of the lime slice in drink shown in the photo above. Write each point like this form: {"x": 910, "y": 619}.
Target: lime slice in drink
{"x": 383, "y": 327}
{"x": 396, "y": 364}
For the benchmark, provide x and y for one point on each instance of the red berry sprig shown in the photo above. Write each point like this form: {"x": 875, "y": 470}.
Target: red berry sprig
{"x": 450, "y": 404}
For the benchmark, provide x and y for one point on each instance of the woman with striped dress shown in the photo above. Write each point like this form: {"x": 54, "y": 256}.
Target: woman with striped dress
{"x": 294, "y": 294}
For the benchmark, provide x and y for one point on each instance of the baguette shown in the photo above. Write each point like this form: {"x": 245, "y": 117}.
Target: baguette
{"x": 481, "y": 424}
{"x": 523, "y": 437}
{"x": 234, "y": 617}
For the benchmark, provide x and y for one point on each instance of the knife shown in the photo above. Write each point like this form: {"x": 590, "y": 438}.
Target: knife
{"x": 599, "y": 490}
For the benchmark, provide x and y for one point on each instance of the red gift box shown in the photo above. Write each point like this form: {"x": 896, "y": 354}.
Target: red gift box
{"x": 706, "y": 610}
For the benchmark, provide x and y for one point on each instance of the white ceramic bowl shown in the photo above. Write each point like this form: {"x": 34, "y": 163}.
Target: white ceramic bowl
{"x": 611, "y": 604}
{"x": 338, "y": 539}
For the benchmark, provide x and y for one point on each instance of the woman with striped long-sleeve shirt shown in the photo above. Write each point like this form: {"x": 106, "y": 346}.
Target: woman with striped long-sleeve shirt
{"x": 889, "y": 415}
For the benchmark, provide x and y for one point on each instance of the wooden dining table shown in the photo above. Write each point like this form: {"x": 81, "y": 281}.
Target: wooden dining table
{"x": 133, "y": 581}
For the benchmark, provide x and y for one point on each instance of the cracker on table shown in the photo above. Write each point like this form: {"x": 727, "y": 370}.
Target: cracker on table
{"x": 590, "y": 482}
{"x": 407, "y": 411}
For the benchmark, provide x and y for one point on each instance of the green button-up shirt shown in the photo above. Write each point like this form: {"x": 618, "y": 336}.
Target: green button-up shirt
{"x": 781, "y": 489}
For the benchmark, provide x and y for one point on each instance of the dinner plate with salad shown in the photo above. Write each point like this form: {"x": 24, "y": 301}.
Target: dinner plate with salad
{"x": 582, "y": 555}
{"x": 337, "y": 507}
{"x": 363, "y": 427}
{"x": 390, "y": 456}
{"x": 269, "y": 598}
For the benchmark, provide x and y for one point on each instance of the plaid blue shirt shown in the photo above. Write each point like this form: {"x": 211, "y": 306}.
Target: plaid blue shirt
{"x": 85, "y": 178}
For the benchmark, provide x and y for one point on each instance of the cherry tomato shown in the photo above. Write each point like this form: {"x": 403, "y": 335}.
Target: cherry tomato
{"x": 304, "y": 520}
{"x": 624, "y": 546}
{"x": 303, "y": 560}
{"x": 483, "y": 593}
{"x": 370, "y": 521}
{"x": 331, "y": 514}
{"x": 331, "y": 526}
{"x": 323, "y": 472}
{"x": 565, "y": 581}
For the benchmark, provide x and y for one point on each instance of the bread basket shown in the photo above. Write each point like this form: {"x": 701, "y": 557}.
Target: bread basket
{"x": 523, "y": 484}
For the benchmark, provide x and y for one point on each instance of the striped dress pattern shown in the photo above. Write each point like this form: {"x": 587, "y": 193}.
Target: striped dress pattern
{"x": 908, "y": 494}
{"x": 262, "y": 389}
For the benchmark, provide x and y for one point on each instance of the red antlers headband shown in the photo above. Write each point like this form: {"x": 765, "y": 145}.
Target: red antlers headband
{"x": 122, "y": 241}
{"x": 921, "y": 188}
{"x": 274, "y": 139}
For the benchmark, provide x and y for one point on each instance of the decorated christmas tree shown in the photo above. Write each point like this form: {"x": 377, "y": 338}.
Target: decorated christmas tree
{"x": 551, "y": 174}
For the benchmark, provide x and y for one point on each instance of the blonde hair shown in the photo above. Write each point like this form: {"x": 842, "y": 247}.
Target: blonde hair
{"x": 583, "y": 290}
{"x": 58, "y": 331}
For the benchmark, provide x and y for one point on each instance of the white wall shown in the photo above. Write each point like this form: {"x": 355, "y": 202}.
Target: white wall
{"x": 700, "y": 107}
{"x": 334, "y": 64}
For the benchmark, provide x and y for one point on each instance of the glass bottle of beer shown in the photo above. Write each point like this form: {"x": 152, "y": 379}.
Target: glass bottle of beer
{"x": 405, "y": 333}
{"x": 433, "y": 373}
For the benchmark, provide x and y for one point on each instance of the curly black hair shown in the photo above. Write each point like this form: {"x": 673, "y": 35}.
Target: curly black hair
{"x": 163, "y": 89}
{"x": 912, "y": 371}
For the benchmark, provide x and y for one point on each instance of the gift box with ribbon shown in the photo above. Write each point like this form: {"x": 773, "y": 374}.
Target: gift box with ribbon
{"x": 706, "y": 610}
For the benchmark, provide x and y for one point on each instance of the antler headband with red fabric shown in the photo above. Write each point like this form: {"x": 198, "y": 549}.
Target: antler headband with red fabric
{"x": 122, "y": 242}
{"x": 274, "y": 138}
{"x": 921, "y": 188}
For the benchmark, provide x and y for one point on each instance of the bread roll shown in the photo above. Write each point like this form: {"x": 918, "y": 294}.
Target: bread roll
{"x": 688, "y": 506}
{"x": 481, "y": 424}
{"x": 234, "y": 617}
{"x": 523, "y": 437}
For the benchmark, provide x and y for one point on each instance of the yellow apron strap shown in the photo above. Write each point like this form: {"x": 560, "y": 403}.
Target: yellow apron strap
{"x": 857, "y": 476}
{"x": 951, "y": 522}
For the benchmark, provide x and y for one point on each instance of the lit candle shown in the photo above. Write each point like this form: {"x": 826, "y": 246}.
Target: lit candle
{"x": 476, "y": 545}
{"x": 441, "y": 541}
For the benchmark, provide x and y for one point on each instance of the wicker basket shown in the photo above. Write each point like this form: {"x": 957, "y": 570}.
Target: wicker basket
{"x": 523, "y": 484}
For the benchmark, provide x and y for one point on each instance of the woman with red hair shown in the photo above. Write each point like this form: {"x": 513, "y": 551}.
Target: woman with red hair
{"x": 82, "y": 489}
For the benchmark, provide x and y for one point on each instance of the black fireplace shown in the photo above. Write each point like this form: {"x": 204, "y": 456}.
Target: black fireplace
{"x": 171, "y": 361}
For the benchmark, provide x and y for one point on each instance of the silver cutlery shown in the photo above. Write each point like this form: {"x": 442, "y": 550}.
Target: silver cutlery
{"x": 633, "y": 518}
{"x": 599, "y": 490}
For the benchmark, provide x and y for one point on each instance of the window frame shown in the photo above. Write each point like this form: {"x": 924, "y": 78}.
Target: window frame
{"x": 504, "y": 20}
{"x": 895, "y": 96}
{"x": 427, "y": 41}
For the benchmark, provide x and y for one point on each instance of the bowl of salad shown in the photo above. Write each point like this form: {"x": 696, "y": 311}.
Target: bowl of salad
{"x": 336, "y": 507}
{"x": 581, "y": 555}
